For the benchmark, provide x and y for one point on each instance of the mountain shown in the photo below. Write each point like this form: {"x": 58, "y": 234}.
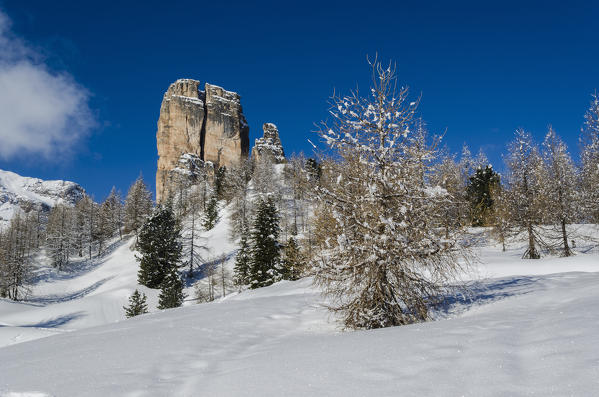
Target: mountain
{"x": 24, "y": 193}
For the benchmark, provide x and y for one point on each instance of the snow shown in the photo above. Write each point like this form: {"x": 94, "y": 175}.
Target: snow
{"x": 16, "y": 190}
{"x": 529, "y": 328}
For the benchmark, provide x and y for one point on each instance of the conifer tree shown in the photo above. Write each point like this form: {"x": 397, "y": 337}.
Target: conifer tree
{"x": 590, "y": 160}
{"x": 559, "y": 187}
{"x": 265, "y": 260}
{"x": 220, "y": 182}
{"x": 293, "y": 261}
{"x": 171, "y": 290}
{"x": 138, "y": 206}
{"x": 137, "y": 305}
{"x": 241, "y": 269}
{"x": 479, "y": 196}
{"x": 211, "y": 214}
{"x": 160, "y": 247}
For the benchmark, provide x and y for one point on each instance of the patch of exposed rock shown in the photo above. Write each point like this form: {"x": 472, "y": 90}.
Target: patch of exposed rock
{"x": 269, "y": 145}
{"x": 208, "y": 124}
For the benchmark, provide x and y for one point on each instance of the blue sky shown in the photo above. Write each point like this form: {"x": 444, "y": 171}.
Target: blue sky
{"x": 483, "y": 70}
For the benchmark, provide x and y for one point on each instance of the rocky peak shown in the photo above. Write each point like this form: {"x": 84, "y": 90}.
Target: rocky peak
{"x": 269, "y": 145}
{"x": 205, "y": 123}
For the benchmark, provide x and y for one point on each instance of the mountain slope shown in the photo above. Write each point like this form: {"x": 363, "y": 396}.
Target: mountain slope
{"x": 19, "y": 192}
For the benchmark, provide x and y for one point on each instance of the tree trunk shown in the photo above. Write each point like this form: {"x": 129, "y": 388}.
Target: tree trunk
{"x": 567, "y": 251}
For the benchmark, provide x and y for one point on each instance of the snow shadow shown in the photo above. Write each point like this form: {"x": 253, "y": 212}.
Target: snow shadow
{"x": 60, "y": 298}
{"x": 77, "y": 267}
{"x": 55, "y": 322}
{"x": 482, "y": 293}
{"x": 202, "y": 270}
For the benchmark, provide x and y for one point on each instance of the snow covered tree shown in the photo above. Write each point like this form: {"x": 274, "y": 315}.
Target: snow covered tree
{"x": 171, "y": 290}
{"x": 17, "y": 247}
{"x": 211, "y": 214}
{"x": 60, "y": 235}
{"x": 138, "y": 206}
{"x": 192, "y": 247}
{"x": 590, "y": 160}
{"x": 560, "y": 186}
{"x": 239, "y": 186}
{"x": 384, "y": 260}
{"x": 524, "y": 193}
{"x": 112, "y": 215}
{"x": 160, "y": 247}
{"x": 86, "y": 212}
{"x": 293, "y": 263}
{"x": 265, "y": 259}
{"x": 137, "y": 305}
{"x": 241, "y": 270}
{"x": 479, "y": 196}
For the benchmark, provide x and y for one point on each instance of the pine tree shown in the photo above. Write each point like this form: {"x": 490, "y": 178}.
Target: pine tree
{"x": 265, "y": 260}
{"x": 211, "y": 214}
{"x": 171, "y": 290}
{"x": 241, "y": 269}
{"x": 160, "y": 247}
{"x": 138, "y": 206}
{"x": 137, "y": 305}
{"x": 479, "y": 196}
{"x": 293, "y": 261}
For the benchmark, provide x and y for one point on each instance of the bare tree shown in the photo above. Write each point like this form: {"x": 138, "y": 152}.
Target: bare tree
{"x": 385, "y": 261}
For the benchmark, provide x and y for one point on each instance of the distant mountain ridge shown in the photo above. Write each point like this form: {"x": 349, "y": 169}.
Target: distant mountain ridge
{"x": 24, "y": 193}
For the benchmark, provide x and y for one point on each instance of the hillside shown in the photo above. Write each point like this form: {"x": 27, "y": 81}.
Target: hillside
{"x": 19, "y": 192}
{"x": 529, "y": 327}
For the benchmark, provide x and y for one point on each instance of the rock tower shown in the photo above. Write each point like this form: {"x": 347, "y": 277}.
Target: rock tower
{"x": 204, "y": 125}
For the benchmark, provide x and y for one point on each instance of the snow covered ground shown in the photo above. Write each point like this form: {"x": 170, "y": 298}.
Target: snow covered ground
{"x": 530, "y": 328}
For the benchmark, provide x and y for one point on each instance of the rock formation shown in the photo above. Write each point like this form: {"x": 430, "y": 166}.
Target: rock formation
{"x": 207, "y": 124}
{"x": 269, "y": 145}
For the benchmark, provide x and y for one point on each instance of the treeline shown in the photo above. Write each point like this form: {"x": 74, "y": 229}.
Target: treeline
{"x": 67, "y": 232}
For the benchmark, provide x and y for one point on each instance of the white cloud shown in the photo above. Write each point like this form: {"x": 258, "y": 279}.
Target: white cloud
{"x": 42, "y": 112}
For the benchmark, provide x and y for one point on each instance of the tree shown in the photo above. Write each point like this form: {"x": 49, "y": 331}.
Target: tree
{"x": 137, "y": 305}
{"x": 239, "y": 186}
{"x": 590, "y": 160}
{"x": 220, "y": 176}
{"x": 190, "y": 233}
{"x": 265, "y": 260}
{"x": 171, "y": 291}
{"x": 16, "y": 250}
{"x": 138, "y": 206}
{"x": 384, "y": 260}
{"x": 241, "y": 270}
{"x": 293, "y": 261}
{"x": 479, "y": 196}
{"x": 160, "y": 247}
{"x": 211, "y": 214}
{"x": 524, "y": 196}
{"x": 560, "y": 197}
{"x": 59, "y": 235}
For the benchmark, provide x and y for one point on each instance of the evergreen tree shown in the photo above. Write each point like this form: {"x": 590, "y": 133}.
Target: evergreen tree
{"x": 138, "y": 206}
{"x": 265, "y": 260}
{"x": 293, "y": 261}
{"x": 137, "y": 305}
{"x": 479, "y": 196}
{"x": 211, "y": 214}
{"x": 219, "y": 182}
{"x": 171, "y": 291}
{"x": 241, "y": 270}
{"x": 160, "y": 247}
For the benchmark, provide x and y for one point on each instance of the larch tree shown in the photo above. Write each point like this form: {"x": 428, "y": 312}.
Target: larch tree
{"x": 138, "y": 206}
{"x": 385, "y": 261}
{"x": 560, "y": 186}
{"x": 590, "y": 160}
{"x": 524, "y": 193}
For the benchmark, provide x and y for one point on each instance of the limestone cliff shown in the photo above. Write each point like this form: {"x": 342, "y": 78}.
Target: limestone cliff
{"x": 205, "y": 123}
{"x": 269, "y": 145}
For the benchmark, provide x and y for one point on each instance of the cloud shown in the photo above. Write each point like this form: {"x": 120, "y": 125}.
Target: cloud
{"x": 42, "y": 112}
